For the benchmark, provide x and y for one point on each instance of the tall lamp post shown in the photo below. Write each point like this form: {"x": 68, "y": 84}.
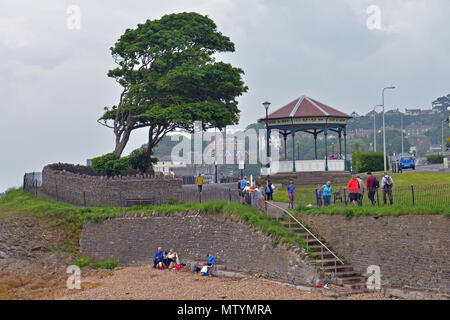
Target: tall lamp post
{"x": 266, "y": 106}
{"x": 374, "y": 128}
{"x": 384, "y": 129}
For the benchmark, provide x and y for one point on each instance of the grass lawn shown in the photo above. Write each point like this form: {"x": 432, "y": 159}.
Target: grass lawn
{"x": 428, "y": 190}
{"x": 394, "y": 210}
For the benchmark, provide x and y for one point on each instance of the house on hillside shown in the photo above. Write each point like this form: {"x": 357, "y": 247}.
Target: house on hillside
{"x": 393, "y": 111}
{"x": 165, "y": 164}
{"x": 412, "y": 112}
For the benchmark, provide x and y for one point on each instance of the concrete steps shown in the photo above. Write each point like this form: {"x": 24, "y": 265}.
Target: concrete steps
{"x": 345, "y": 275}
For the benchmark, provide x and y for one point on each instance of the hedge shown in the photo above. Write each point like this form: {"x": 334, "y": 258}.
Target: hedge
{"x": 365, "y": 161}
{"x": 435, "y": 158}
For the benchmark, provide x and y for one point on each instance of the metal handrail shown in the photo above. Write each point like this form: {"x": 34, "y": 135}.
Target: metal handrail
{"x": 307, "y": 231}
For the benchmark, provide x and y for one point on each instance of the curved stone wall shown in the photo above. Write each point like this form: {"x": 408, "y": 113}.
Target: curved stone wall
{"x": 84, "y": 189}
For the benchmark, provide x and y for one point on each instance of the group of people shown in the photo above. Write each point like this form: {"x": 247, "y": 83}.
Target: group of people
{"x": 257, "y": 190}
{"x": 169, "y": 260}
{"x": 204, "y": 270}
{"x": 335, "y": 157}
{"x": 323, "y": 194}
{"x": 356, "y": 190}
{"x": 163, "y": 259}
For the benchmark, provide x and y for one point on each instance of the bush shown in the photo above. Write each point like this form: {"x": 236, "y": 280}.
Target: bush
{"x": 365, "y": 161}
{"x": 435, "y": 158}
{"x": 139, "y": 160}
{"x": 109, "y": 264}
{"x": 110, "y": 165}
{"x": 83, "y": 261}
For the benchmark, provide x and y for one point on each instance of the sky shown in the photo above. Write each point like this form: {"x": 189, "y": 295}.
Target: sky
{"x": 53, "y": 83}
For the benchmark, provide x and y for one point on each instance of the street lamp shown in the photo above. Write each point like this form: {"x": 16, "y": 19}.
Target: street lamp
{"x": 266, "y": 106}
{"x": 374, "y": 128}
{"x": 384, "y": 129}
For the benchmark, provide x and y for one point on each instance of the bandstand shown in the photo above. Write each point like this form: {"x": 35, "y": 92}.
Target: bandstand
{"x": 311, "y": 116}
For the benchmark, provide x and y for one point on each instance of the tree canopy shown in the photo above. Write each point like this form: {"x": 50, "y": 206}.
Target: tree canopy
{"x": 170, "y": 79}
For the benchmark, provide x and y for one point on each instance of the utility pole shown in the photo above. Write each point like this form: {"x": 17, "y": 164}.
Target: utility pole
{"x": 384, "y": 130}
{"x": 401, "y": 120}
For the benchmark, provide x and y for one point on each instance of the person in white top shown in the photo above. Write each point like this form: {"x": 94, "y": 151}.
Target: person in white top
{"x": 386, "y": 186}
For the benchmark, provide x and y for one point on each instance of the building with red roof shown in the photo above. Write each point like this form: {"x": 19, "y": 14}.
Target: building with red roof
{"x": 305, "y": 114}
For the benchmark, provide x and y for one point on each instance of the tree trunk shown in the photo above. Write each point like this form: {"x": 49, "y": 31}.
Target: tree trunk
{"x": 121, "y": 143}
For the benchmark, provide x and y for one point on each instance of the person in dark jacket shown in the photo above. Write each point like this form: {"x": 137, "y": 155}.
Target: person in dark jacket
{"x": 372, "y": 183}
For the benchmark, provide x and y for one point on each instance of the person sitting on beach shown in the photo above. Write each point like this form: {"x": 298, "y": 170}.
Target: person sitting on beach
{"x": 196, "y": 266}
{"x": 171, "y": 258}
{"x": 160, "y": 257}
{"x": 211, "y": 260}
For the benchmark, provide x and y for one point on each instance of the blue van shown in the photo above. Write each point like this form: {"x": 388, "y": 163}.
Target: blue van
{"x": 407, "y": 162}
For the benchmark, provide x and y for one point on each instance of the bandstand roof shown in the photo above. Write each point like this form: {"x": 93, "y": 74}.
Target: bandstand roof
{"x": 306, "y": 107}
{"x": 305, "y": 111}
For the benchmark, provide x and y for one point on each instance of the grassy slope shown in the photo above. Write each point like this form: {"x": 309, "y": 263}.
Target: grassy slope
{"x": 305, "y": 195}
{"x": 17, "y": 202}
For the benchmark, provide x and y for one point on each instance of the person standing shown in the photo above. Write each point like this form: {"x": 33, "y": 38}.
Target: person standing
{"x": 371, "y": 186}
{"x": 269, "y": 191}
{"x": 386, "y": 186}
{"x": 319, "y": 193}
{"x": 199, "y": 182}
{"x": 327, "y": 189}
{"x": 360, "y": 190}
{"x": 291, "y": 194}
{"x": 242, "y": 185}
{"x": 259, "y": 198}
{"x": 353, "y": 189}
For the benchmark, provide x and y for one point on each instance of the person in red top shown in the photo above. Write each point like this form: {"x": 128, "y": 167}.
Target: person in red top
{"x": 371, "y": 186}
{"x": 353, "y": 189}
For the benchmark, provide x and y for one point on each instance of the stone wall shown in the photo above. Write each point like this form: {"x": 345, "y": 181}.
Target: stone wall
{"x": 411, "y": 250}
{"x": 235, "y": 245}
{"x": 83, "y": 189}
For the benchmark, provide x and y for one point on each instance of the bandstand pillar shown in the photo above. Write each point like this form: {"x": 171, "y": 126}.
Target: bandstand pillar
{"x": 315, "y": 143}
{"x": 325, "y": 131}
{"x": 293, "y": 150}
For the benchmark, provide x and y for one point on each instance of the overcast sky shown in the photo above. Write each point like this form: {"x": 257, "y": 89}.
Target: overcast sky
{"x": 53, "y": 82}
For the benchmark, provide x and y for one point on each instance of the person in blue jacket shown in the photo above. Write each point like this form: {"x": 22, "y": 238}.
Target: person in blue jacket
{"x": 211, "y": 260}
{"x": 160, "y": 256}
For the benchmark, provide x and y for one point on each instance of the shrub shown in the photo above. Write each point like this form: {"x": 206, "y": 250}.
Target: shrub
{"x": 365, "y": 161}
{"x": 95, "y": 266}
{"x": 435, "y": 158}
{"x": 83, "y": 261}
{"x": 139, "y": 160}
{"x": 109, "y": 264}
{"x": 110, "y": 164}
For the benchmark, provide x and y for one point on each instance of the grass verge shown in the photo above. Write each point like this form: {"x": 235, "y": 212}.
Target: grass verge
{"x": 394, "y": 210}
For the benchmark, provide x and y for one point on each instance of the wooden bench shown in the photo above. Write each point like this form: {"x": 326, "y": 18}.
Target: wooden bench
{"x": 140, "y": 202}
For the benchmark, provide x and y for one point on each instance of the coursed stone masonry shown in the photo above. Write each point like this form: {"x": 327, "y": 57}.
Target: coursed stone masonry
{"x": 237, "y": 246}
{"x": 85, "y": 189}
{"x": 411, "y": 250}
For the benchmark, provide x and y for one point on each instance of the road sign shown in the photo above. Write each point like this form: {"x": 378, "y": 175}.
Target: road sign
{"x": 448, "y": 139}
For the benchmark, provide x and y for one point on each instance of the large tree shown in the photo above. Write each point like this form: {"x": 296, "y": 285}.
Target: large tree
{"x": 170, "y": 78}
